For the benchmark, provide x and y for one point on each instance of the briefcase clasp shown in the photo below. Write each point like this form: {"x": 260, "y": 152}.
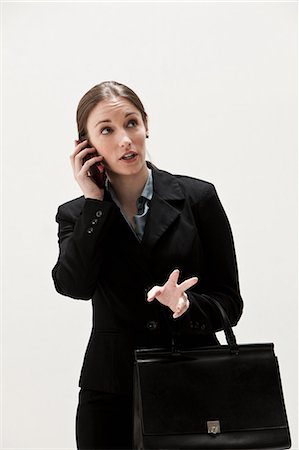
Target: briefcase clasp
{"x": 213, "y": 426}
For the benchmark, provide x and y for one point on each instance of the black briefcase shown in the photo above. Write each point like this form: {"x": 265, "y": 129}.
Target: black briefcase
{"x": 219, "y": 397}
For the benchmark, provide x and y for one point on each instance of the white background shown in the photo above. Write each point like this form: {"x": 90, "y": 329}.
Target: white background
{"x": 219, "y": 82}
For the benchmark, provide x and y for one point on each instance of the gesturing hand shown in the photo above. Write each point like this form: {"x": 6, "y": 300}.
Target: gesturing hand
{"x": 172, "y": 294}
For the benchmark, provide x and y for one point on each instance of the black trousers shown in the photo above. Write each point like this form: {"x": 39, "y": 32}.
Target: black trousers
{"x": 104, "y": 421}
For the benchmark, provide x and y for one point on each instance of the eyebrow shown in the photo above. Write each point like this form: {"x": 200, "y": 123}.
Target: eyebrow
{"x": 108, "y": 120}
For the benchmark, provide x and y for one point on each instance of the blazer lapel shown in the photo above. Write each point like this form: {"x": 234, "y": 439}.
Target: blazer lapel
{"x": 166, "y": 205}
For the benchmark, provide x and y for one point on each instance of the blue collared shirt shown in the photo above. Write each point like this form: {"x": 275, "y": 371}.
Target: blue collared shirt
{"x": 142, "y": 204}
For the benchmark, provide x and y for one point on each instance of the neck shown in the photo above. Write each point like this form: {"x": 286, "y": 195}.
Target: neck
{"x": 129, "y": 187}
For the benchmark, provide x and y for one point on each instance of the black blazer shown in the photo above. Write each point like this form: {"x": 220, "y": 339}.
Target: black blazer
{"x": 101, "y": 259}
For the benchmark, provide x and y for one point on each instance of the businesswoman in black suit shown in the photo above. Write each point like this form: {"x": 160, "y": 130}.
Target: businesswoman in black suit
{"x": 150, "y": 249}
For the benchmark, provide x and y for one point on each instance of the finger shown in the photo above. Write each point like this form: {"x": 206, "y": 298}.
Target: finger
{"x": 81, "y": 155}
{"x": 174, "y": 276}
{"x": 153, "y": 293}
{"x": 86, "y": 168}
{"x": 187, "y": 284}
{"x": 79, "y": 146}
{"x": 84, "y": 152}
{"x": 180, "y": 305}
{"x": 179, "y": 311}
{"x": 181, "y": 308}
{"x": 90, "y": 162}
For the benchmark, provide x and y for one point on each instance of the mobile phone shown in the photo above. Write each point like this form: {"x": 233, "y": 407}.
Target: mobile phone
{"x": 97, "y": 170}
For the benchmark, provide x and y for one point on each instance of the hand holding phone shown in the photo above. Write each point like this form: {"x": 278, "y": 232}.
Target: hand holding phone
{"x": 88, "y": 170}
{"x": 97, "y": 170}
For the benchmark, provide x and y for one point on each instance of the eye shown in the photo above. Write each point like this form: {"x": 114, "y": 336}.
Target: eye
{"x": 106, "y": 128}
{"x": 133, "y": 121}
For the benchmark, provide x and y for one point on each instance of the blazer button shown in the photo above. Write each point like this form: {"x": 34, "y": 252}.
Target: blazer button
{"x": 152, "y": 325}
{"x": 90, "y": 230}
{"x": 99, "y": 213}
{"x": 94, "y": 221}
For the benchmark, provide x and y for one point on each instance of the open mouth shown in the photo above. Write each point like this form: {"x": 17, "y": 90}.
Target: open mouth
{"x": 129, "y": 156}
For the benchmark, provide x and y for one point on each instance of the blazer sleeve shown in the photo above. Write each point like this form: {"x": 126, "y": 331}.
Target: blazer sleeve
{"x": 80, "y": 235}
{"x": 219, "y": 279}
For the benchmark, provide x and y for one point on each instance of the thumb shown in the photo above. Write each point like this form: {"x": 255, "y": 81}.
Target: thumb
{"x": 152, "y": 294}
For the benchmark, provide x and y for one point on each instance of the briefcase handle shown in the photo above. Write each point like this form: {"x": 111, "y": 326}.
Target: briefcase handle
{"x": 228, "y": 331}
{"x": 227, "y": 328}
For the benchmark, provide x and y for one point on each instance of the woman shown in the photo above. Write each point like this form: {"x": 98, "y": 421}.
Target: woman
{"x": 151, "y": 249}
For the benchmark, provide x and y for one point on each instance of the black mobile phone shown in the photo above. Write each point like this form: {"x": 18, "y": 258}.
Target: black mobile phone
{"x": 97, "y": 170}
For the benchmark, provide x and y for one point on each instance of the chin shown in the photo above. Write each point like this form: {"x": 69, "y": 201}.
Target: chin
{"x": 134, "y": 169}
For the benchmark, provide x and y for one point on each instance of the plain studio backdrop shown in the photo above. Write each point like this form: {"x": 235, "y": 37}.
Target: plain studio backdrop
{"x": 219, "y": 83}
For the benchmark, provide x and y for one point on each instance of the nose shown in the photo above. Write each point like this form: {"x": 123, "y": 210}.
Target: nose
{"x": 125, "y": 141}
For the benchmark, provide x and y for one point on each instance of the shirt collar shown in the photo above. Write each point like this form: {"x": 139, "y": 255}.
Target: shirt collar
{"x": 147, "y": 192}
{"x": 148, "y": 188}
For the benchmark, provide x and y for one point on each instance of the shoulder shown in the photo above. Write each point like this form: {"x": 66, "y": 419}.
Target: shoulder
{"x": 201, "y": 196}
{"x": 195, "y": 186}
{"x": 200, "y": 193}
{"x": 194, "y": 189}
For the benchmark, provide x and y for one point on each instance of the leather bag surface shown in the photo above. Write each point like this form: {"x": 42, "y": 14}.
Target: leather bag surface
{"x": 218, "y": 397}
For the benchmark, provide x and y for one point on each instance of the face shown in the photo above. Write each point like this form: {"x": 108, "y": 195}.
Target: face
{"x": 116, "y": 130}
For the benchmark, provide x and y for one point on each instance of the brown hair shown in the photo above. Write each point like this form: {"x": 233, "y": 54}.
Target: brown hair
{"x": 103, "y": 91}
